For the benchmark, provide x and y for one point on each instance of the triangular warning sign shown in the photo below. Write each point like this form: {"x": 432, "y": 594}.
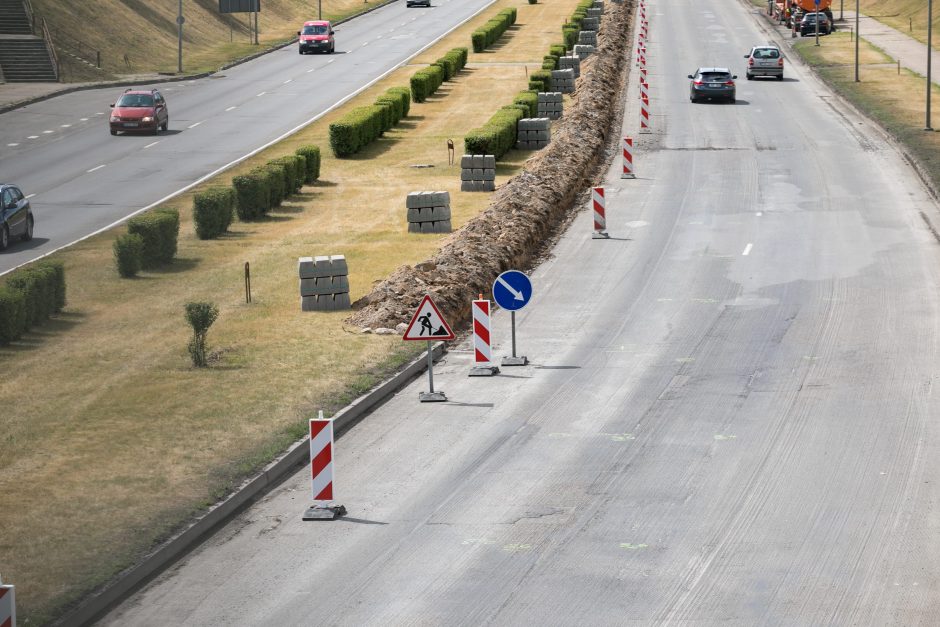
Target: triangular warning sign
{"x": 428, "y": 323}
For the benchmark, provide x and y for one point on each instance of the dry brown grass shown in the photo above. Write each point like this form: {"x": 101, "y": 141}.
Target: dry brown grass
{"x": 146, "y": 31}
{"x": 111, "y": 440}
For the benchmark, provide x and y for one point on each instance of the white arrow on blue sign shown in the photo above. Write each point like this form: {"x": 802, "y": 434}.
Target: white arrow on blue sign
{"x": 512, "y": 290}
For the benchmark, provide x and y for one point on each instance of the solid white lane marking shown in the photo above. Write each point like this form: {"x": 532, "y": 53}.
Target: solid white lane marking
{"x": 152, "y": 144}
{"x": 12, "y": 145}
{"x": 66, "y": 125}
{"x": 95, "y": 168}
{"x": 747, "y": 250}
{"x": 261, "y": 94}
{"x": 28, "y": 196}
{"x": 230, "y": 108}
{"x": 290, "y": 80}
{"x": 33, "y": 137}
{"x": 194, "y": 125}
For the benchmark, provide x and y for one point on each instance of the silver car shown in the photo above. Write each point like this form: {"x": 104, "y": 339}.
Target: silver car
{"x": 764, "y": 61}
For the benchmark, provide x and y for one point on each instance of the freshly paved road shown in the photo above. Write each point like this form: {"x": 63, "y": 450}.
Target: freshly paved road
{"x": 729, "y": 417}
{"x": 84, "y": 179}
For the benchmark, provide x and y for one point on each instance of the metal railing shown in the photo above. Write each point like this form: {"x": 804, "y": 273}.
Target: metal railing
{"x": 47, "y": 36}
{"x": 29, "y": 16}
{"x": 77, "y": 48}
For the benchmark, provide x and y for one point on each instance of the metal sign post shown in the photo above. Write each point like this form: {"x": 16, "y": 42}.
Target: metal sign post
{"x": 428, "y": 324}
{"x": 512, "y": 290}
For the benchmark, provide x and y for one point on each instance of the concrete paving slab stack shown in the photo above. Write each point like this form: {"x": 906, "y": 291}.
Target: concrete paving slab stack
{"x": 477, "y": 173}
{"x": 551, "y": 104}
{"x": 587, "y": 38}
{"x": 564, "y": 80}
{"x": 428, "y": 212}
{"x": 598, "y": 4}
{"x": 534, "y": 133}
{"x": 569, "y": 63}
{"x": 591, "y": 23}
{"x": 324, "y": 283}
{"x": 583, "y": 51}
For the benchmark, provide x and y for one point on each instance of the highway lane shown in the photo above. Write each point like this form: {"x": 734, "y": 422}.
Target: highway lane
{"x": 83, "y": 179}
{"x": 729, "y": 417}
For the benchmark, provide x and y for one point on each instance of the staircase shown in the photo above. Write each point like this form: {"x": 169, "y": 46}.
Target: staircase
{"x": 24, "y": 57}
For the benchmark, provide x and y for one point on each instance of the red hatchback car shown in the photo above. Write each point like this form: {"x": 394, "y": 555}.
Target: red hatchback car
{"x": 140, "y": 111}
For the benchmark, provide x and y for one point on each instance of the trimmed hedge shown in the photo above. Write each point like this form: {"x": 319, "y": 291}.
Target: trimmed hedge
{"x": 213, "y": 211}
{"x": 30, "y": 296}
{"x": 311, "y": 155}
{"x": 498, "y": 135}
{"x": 425, "y": 82}
{"x": 159, "y": 231}
{"x": 542, "y": 77}
{"x": 273, "y": 174}
{"x": 128, "y": 253}
{"x": 485, "y": 36}
{"x": 252, "y": 197}
{"x": 404, "y": 93}
{"x": 357, "y": 129}
{"x": 12, "y": 314}
{"x": 292, "y": 183}
{"x": 557, "y": 50}
{"x": 529, "y": 99}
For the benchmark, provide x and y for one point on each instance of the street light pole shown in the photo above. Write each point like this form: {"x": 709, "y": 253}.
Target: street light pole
{"x": 927, "y": 127}
{"x": 179, "y": 22}
{"x": 319, "y": 9}
{"x": 856, "y": 40}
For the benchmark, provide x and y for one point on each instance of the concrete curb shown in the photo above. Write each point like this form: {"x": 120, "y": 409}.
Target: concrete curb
{"x": 273, "y": 474}
{"x": 169, "y": 79}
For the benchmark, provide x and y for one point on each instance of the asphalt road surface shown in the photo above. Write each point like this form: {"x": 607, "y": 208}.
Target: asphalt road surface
{"x": 82, "y": 179}
{"x": 729, "y": 417}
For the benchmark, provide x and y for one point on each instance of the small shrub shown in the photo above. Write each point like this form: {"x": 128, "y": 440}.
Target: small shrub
{"x": 530, "y": 100}
{"x": 128, "y": 254}
{"x": 252, "y": 196}
{"x": 287, "y": 170}
{"x": 420, "y": 86}
{"x": 544, "y": 76}
{"x": 12, "y": 314}
{"x": 200, "y": 316}
{"x": 311, "y": 154}
{"x": 213, "y": 211}
{"x": 344, "y": 138}
{"x": 478, "y": 40}
{"x": 274, "y": 176}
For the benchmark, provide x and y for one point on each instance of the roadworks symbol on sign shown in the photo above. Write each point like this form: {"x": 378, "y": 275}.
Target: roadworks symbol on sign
{"x": 428, "y": 323}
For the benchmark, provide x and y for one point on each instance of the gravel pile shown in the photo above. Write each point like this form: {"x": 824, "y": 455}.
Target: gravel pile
{"x": 529, "y": 210}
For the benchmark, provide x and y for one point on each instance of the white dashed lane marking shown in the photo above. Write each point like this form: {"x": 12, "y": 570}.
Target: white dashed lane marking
{"x": 261, "y": 94}
{"x": 30, "y": 196}
{"x": 747, "y": 250}
{"x": 152, "y": 144}
{"x": 33, "y": 137}
{"x": 194, "y": 125}
{"x": 12, "y": 145}
{"x": 230, "y": 108}
{"x": 95, "y": 168}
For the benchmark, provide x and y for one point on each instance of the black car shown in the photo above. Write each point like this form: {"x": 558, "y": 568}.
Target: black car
{"x": 418, "y": 3}
{"x": 16, "y": 214}
{"x": 808, "y": 24}
{"x": 712, "y": 83}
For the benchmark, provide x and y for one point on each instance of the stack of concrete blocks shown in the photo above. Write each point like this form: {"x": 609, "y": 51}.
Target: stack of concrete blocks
{"x": 587, "y": 38}
{"x": 583, "y": 51}
{"x": 477, "y": 173}
{"x": 598, "y": 4}
{"x": 534, "y": 133}
{"x": 563, "y": 80}
{"x": 324, "y": 283}
{"x": 570, "y": 63}
{"x": 551, "y": 104}
{"x": 428, "y": 212}
{"x": 591, "y": 23}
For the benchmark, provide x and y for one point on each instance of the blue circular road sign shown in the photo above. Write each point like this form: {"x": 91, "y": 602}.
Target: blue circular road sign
{"x": 512, "y": 290}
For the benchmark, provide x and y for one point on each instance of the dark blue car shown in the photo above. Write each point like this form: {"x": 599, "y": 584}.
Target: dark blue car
{"x": 16, "y": 215}
{"x": 712, "y": 83}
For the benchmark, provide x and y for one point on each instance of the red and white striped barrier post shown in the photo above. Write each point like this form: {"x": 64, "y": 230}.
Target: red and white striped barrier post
{"x": 482, "y": 348}
{"x": 643, "y": 56}
{"x": 644, "y": 90}
{"x": 628, "y": 159}
{"x": 600, "y": 213}
{"x": 645, "y": 115}
{"x": 321, "y": 471}
{"x": 7, "y": 606}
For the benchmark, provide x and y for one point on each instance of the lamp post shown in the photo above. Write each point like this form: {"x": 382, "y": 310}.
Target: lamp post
{"x": 179, "y": 25}
{"x": 856, "y": 40}
{"x": 319, "y": 9}
{"x": 927, "y": 126}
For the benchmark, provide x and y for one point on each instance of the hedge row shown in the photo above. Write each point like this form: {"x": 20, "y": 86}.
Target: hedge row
{"x": 540, "y": 80}
{"x": 363, "y": 125}
{"x": 486, "y": 36}
{"x": 265, "y": 187}
{"x": 498, "y": 135}
{"x": 158, "y": 232}
{"x": 452, "y": 62}
{"x": 570, "y": 29}
{"x": 425, "y": 82}
{"x": 29, "y": 297}
{"x": 213, "y": 211}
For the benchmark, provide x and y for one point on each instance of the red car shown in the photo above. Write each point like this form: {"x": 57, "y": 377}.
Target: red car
{"x": 140, "y": 111}
{"x": 316, "y": 36}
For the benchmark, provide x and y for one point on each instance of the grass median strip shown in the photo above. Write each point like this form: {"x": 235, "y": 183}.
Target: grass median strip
{"x": 112, "y": 440}
{"x": 897, "y": 101}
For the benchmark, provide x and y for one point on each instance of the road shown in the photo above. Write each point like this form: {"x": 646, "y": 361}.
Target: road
{"x": 729, "y": 416}
{"x": 82, "y": 179}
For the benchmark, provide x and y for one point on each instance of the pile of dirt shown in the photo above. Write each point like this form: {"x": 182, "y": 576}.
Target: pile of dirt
{"x": 529, "y": 209}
